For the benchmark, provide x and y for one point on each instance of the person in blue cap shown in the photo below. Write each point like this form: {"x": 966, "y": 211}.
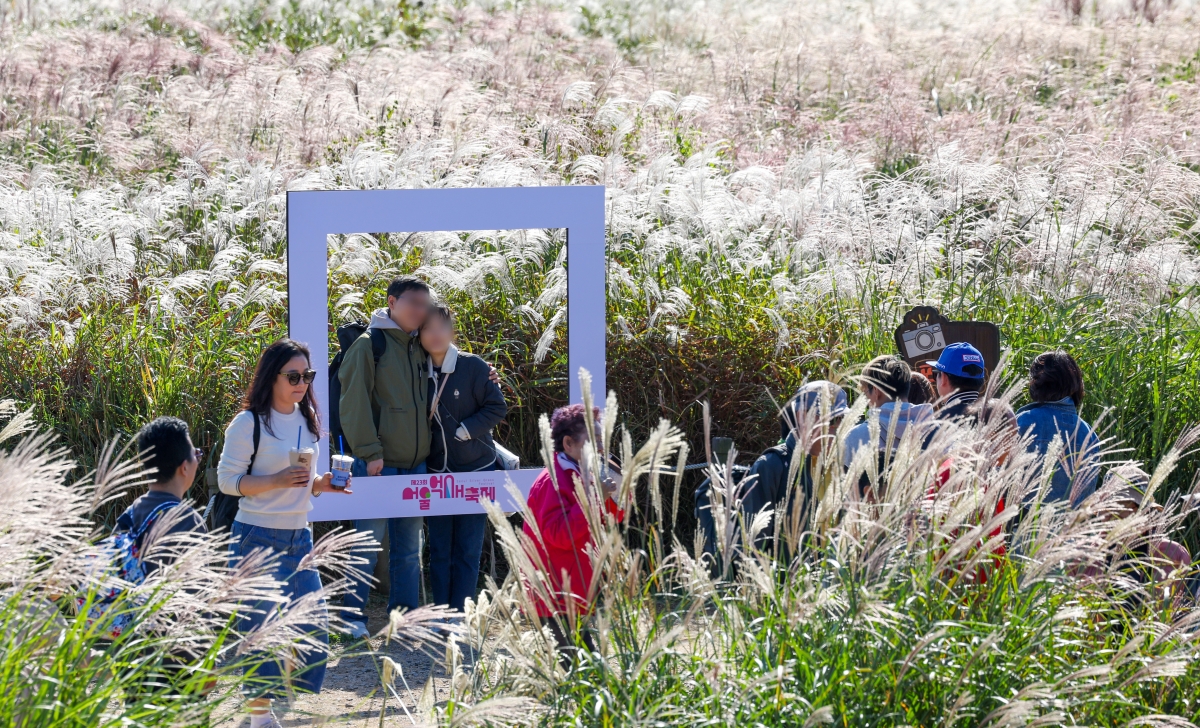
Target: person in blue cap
{"x": 958, "y": 376}
{"x": 809, "y": 419}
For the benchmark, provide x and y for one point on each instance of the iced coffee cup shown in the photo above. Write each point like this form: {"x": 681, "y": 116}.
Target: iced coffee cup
{"x": 301, "y": 456}
{"x": 340, "y": 467}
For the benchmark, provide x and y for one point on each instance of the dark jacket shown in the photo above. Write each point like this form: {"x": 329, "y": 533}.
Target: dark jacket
{"x": 383, "y": 407}
{"x": 469, "y": 399}
{"x": 135, "y": 515}
{"x": 961, "y": 407}
{"x": 766, "y": 487}
{"x": 702, "y": 500}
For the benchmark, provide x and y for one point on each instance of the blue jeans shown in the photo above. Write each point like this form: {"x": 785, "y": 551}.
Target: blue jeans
{"x": 455, "y": 545}
{"x": 266, "y": 680}
{"x": 404, "y": 554}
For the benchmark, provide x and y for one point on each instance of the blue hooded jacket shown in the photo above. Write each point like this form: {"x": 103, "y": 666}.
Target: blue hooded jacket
{"x": 1078, "y": 469}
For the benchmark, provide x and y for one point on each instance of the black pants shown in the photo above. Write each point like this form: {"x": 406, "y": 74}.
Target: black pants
{"x": 567, "y": 647}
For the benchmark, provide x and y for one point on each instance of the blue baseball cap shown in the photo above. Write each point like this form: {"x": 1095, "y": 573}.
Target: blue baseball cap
{"x": 956, "y": 358}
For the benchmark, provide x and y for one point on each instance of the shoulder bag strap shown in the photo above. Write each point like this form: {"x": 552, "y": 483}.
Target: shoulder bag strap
{"x": 257, "y": 438}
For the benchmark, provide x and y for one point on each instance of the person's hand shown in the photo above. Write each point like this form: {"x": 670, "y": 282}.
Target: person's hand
{"x": 375, "y": 467}
{"x": 493, "y": 375}
{"x": 295, "y": 476}
{"x": 609, "y": 484}
{"x": 324, "y": 484}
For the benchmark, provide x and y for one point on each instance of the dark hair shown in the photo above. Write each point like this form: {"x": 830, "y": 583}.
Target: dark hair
{"x": 437, "y": 308}
{"x": 889, "y": 374}
{"x": 260, "y": 394}
{"x": 569, "y": 421}
{"x": 406, "y": 283}
{"x": 920, "y": 389}
{"x": 964, "y": 384}
{"x": 164, "y": 446}
{"x": 1054, "y": 375}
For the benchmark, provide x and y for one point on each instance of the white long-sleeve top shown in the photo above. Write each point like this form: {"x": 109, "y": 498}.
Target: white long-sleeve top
{"x": 284, "y": 508}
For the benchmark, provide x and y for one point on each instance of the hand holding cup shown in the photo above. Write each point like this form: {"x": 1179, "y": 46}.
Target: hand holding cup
{"x": 295, "y": 476}
{"x": 325, "y": 484}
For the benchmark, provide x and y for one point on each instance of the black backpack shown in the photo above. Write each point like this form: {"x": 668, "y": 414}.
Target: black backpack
{"x": 347, "y": 334}
{"x": 222, "y": 507}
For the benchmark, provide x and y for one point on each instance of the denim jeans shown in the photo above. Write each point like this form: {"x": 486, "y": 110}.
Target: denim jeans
{"x": 308, "y": 672}
{"x": 404, "y": 554}
{"x": 455, "y": 545}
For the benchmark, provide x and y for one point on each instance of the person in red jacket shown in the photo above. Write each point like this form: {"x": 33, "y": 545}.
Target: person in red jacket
{"x": 563, "y": 525}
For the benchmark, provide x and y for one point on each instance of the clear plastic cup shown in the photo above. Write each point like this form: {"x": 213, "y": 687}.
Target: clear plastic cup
{"x": 340, "y": 467}
{"x": 301, "y": 456}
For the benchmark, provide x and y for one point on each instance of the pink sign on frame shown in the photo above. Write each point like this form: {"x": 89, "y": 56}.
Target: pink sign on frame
{"x": 313, "y": 215}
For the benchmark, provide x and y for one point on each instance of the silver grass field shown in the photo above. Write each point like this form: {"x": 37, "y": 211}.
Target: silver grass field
{"x": 783, "y": 181}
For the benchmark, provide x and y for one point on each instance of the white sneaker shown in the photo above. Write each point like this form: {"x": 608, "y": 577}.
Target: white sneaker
{"x": 265, "y": 720}
{"x": 358, "y": 631}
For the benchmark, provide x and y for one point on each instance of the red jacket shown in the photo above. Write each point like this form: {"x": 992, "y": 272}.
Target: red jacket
{"x": 943, "y": 477}
{"x": 565, "y": 535}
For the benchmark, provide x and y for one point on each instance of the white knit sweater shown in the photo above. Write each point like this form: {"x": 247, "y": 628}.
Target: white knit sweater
{"x": 283, "y": 508}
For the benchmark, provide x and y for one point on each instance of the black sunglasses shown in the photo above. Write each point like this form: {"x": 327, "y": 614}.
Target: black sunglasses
{"x": 294, "y": 377}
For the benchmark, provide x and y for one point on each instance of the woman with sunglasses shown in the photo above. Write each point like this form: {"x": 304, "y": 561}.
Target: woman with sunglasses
{"x": 275, "y": 497}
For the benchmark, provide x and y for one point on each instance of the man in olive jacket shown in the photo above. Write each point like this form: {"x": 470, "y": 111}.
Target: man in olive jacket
{"x": 385, "y": 426}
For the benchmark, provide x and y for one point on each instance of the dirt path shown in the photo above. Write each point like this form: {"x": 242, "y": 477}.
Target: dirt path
{"x": 352, "y": 694}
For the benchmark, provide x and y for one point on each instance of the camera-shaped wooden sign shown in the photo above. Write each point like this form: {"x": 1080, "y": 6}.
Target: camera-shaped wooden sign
{"x": 924, "y": 332}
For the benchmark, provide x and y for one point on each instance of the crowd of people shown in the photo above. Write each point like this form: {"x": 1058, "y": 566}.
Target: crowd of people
{"x": 411, "y": 402}
{"x": 900, "y": 399}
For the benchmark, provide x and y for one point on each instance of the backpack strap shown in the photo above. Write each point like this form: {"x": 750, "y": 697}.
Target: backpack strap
{"x": 257, "y": 438}
{"x": 151, "y": 517}
{"x": 378, "y": 343}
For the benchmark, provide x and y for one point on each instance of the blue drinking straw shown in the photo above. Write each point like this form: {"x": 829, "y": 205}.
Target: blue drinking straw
{"x": 340, "y": 450}
{"x": 299, "y": 431}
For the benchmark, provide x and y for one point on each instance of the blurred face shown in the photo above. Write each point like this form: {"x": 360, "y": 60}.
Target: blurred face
{"x": 292, "y": 382}
{"x": 409, "y": 309}
{"x": 437, "y": 334}
{"x": 942, "y": 383}
{"x": 1124, "y": 509}
{"x": 574, "y": 447}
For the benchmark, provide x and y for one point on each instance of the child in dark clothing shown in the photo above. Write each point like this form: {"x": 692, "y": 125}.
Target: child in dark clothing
{"x": 171, "y": 460}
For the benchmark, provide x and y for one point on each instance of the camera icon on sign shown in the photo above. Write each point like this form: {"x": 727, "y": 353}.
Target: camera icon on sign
{"x": 924, "y": 339}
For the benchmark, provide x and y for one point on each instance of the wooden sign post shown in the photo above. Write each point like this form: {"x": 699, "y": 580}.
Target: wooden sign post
{"x": 924, "y": 332}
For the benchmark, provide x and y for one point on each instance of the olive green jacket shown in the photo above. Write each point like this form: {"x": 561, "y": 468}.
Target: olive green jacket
{"x": 384, "y": 407}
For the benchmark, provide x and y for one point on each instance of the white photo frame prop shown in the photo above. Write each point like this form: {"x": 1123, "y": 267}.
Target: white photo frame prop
{"x": 313, "y": 215}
